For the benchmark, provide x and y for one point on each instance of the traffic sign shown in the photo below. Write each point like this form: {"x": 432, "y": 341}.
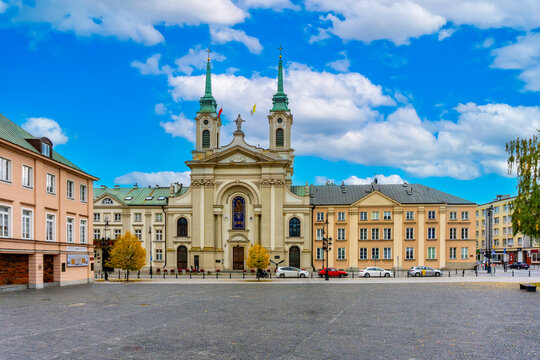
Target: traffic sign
{"x": 504, "y": 251}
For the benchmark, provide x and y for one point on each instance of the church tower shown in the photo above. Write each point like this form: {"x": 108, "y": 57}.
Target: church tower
{"x": 208, "y": 124}
{"x": 280, "y": 119}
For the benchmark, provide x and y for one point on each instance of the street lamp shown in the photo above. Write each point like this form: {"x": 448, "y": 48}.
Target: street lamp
{"x": 150, "y": 238}
{"x": 489, "y": 239}
{"x": 326, "y": 242}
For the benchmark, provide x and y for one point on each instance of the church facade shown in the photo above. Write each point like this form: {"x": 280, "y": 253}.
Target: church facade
{"x": 240, "y": 195}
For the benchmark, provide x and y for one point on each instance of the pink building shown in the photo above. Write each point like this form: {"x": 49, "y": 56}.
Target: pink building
{"x": 45, "y": 209}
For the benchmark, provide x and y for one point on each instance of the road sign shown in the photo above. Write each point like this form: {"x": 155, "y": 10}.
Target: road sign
{"x": 493, "y": 253}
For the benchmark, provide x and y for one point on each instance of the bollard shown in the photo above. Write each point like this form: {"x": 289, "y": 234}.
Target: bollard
{"x": 230, "y": 275}
{"x": 190, "y": 274}
{"x": 394, "y": 274}
{"x": 380, "y": 274}
{"x": 353, "y": 275}
{"x": 164, "y": 274}
{"x": 217, "y": 274}
{"x": 271, "y": 274}
{"x": 311, "y": 275}
{"x": 118, "y": 274}
{"x": 203, "y": 275}
{"x": 476, "y": 271}
{"x": 529, "y": 273}
{"x": 512, "y": 273}
{"x": 243, "y": 275}
{"x": 448, "y": 273}
{"x": 177, "y": 274}
{"x": 463, "y": 273}
{"x": 456, "y": 271}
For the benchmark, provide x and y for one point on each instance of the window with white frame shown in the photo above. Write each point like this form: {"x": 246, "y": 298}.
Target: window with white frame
{"x": 70, "y": 189}
{"x": 107, "y": 201}
{"x": 117, "y": 217}
{"x": 431, "y": 233}
{"x": 117, "y": 233}
{"x": 138, "y": 217}
{"x": 45, "y": 149}
{"x": 453, "y": 233}
{"x": 341, "y": 216}
{"x": 504, "y": 242}
{"x": 510, "y": 242}
{"x": 464, "y": 233}
{"x": 496, "y": 209}
{"x": 341, "y": 253}
{"x": 320, "y": 254}
{"x": 83, "y": 193}
{"x": 27, "y": 224}
{"x": 138, "y": 234}
{"x": 409, "y": 215}
{"x": 97, "y": 234}
{"x": 431, "y": 253}
{"x": 453, "y": 253}
{"x": 387, "y": 234}
{"x": 51, "y": 184}
{"x": 387, "y": 215}
{"x": 464, "y": 253}
{"x": 495, "y": 220}
{"x": 510, "y": 231}
{"x": 50, "y": 227}
{"x": 159, "y": 255}
{"x": 431, "y": 215}
{"x": 520, "y": 242}
{"x": 387, "y": 253}
{"x": 409, "y": 234}
{"x": 27, "y": 176}
{"x": 374, "y": 215}
{"x": 159, "y": 235}
{"x": 363, "y": 215}
{"x": 159, "y": 217}
{"x": 496, "y": 242}
{"x": 409, "y": 253}
{"x": 97, "y": 217}
{"x": 82, "y": 233}
{"x": 5, "y": 221}
{"x": 363, "y": 234}
{"x": 5, "y": 169}
{"x": 320, "y": 234}
{"x": 363, "y": 253}
{"x": 341, "y": 234}
{"x": 374, "y": 234}
{"x": 504, "y": 220}
{"x": 320, "y": 216}
{"x": 483, "y": 222}
{"x": 70, "y": 223}
{"x": 465, "y": 215}
{"x": 375, "y": 253}
{"x": 453, "y": 215}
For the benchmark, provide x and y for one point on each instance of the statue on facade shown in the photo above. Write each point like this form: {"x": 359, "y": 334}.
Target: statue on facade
{"x": 239, "y": 122}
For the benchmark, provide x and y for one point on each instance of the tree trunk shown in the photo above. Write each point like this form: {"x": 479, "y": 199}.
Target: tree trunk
{"x": 127, "y": 277}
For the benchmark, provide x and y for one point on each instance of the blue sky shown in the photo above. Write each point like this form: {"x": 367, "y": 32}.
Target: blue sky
{"x": 416, "y": 90}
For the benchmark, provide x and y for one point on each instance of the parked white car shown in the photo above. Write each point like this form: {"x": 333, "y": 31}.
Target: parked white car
{"x": 290, "y": 271}
{"x": 375, "y": 272}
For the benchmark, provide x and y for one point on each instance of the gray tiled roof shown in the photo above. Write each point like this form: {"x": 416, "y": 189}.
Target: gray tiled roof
{"x": 404, "y": 194}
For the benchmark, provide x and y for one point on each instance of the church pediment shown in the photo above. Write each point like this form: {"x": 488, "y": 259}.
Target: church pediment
{"x": 237, "y": 155}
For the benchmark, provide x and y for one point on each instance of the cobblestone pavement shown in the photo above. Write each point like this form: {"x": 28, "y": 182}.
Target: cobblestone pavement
{"x": 303, "y": 321}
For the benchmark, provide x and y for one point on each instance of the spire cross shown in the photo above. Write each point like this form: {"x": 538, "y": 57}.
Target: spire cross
{"x": 280, "y": 48}
{"x": 208, "y": 54}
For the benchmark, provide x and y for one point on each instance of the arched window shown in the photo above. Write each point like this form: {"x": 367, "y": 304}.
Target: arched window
{"x": 239, "y": 213}
{"x": 206, "y": 139}
{"x": 107, "y": 201}
{"x": 181, "y": 227}
{"x": 294, "y": 227}
{"x": 279, "y": 137}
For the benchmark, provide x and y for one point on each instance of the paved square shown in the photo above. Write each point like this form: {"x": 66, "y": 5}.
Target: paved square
{"x": 271, "y": 321}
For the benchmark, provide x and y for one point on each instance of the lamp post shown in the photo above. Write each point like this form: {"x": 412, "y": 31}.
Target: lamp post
{"x": 488, "y": 252}
{"x": 326, "y": 242}
{"x": 150, "y": 239}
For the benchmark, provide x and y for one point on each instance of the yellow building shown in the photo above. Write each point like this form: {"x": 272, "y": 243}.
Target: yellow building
{"x": 507, "y": 247}
{"x": 392, "y": 226}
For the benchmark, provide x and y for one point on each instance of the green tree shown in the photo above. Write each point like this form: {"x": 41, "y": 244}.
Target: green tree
{"x": 258, "y": 258}
{"x": 524, "y": 156}
{"x": 127, "y": 254}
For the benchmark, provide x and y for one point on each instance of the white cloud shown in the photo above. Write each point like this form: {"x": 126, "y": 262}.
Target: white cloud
{"x": 160, "y": 109}
{"x": 522, "y": 55}
{"x": 161, "y": 178}
{"x": 323, "y": 180}
{"x": 269, "y": 4}
{"x": 487, "y": 43}
{"x": 134, "y": 20}
{"x": 3, "y": 6}
{"x": 224, "y": 34}
{"x": 381, "y": 179}
{"x": 45, "y": 127}
{"x": 180, "y": 127}
{"x": 196, "y": 59}
{"x": 445, "y": 33}
{"x": 341, "y": 65}
{"x": 150, "y": 67}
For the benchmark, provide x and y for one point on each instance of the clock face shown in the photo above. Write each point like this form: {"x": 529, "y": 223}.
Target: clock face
{"x": 205, "y": 122}
{"x": 280, "y": 120}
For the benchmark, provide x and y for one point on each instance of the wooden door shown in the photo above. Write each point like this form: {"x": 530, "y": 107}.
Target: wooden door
{"x": 181, "y": 261}
{"x": 294, "y": 256}
{"x": 238, "y": 258}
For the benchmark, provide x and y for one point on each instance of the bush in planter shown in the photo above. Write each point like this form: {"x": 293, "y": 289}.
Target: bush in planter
{"x": 244, "y": 270}
{"x": 164, "y": 270}
{"x": 217, "y": 270}
{"x": 252, "y": 270}
{"x": 202, "y": 270}
{"x": 158, "y": 270}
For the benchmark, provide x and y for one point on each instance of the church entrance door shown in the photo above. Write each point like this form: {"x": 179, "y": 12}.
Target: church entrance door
{"x": 294, "y": 256}
{"x": 181, "y": 261}
{"x": 238, "y": 258}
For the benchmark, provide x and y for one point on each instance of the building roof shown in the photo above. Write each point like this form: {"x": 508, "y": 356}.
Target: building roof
{"x": 402, "y": 193}
{"x": 298, "y": 190}
{"x": 139, "y": 195}
{"x": 15, "y": 134}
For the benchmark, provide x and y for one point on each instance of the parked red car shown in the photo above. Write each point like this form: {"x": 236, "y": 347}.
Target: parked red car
{"x": 332, "y": 272}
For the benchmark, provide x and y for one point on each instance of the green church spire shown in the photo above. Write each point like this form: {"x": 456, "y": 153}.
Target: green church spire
{"x": 208, "y": 103}
{"x": 280, "y": 99}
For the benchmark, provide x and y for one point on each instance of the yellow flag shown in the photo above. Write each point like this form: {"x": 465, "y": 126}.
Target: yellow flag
{"x": 253, "y": 110}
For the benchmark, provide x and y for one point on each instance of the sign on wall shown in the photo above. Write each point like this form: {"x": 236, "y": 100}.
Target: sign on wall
{"x": 77, "y": 260}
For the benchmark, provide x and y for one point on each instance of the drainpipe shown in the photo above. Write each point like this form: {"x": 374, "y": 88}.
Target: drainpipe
{"x": 165, "y": 233}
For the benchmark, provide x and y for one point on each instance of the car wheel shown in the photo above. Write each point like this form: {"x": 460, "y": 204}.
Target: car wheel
{"x": 302, "y": 275}
{"x": 366, "y": 275}
{"x": 387, "y": 275}
{"x": 282, "y": 275}
{"x": 437, "y": 274}
{"x": 320, "y": 276}
{"x": 340, "y": 275}
{"x": 417, "y": 274}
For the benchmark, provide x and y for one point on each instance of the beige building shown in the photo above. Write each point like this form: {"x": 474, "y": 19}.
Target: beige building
{"x": 44, "y": 213}
{"x": 240, "y": 195}
{"x": 507, "y": 247}
{"x": 392, "y": 226}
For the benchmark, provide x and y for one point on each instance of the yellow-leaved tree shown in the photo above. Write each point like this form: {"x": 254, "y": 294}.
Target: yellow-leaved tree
{"x": 127, "y": 254}
{"x": 258, "y": 258}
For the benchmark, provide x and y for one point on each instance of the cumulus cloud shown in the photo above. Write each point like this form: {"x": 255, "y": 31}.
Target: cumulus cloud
{"x": 196, "y": 59}
{"x": 341, "y": 65}
{"x": 224, "y": 34}
{"x": 133, "y": 20}
{"x": 160, "y": 109}
{"x": 381, "y": 179}
{"x": 522, "y": 55}
{"x": 3, "y": 6}
{"x": 269, "y": 4}
{"x": 161, "y": 178}
{"x": 150, "y": 67}
{"x": 180, "y": 127}
{"x": 49, "y": 128}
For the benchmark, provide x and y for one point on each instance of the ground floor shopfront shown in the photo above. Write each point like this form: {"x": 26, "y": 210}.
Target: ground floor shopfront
{"x": 40, "y": 263}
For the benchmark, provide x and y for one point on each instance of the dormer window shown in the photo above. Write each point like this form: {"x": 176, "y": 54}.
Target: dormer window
{"x": 107, "y": 201}
{"x": 161, "y": 198}
{"x": 128, "y": 198}
{"x": 149, "y": 198}
{"x": 45, "y": 149}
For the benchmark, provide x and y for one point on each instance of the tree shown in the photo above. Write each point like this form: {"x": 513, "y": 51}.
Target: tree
{"x": 524, "y": 155}
{"x": 127, "y": 254}
{"x": 258, "y": 258}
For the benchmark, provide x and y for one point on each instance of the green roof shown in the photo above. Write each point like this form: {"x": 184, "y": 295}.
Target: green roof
{"x": 15, "y": 134}
{"x": 298, "y": 190}
{"x": 137, "y": 196}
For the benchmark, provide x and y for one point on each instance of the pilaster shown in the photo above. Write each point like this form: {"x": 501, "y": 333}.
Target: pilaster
{"x": 398, "y": 237}
{"x": 421, "y": 236}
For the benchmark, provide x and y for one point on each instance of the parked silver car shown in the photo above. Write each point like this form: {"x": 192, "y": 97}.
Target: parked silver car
{"x": 424, "y": 271}
{"x": 291, "y": 271}
{"x": 374, "y": 271}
